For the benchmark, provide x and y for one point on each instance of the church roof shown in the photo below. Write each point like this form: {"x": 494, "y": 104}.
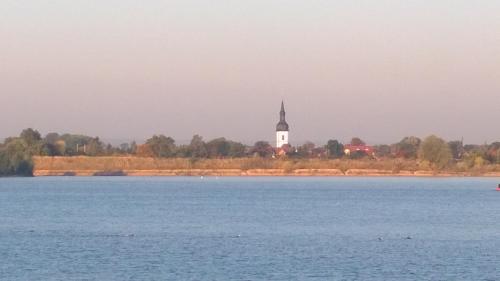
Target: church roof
{"x": 282, "y": 126}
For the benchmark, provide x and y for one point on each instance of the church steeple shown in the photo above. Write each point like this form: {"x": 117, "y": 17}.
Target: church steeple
{"x": 282, "y": 112}
{"x": 282, "y": 128}
{"x": 282, "y": 125}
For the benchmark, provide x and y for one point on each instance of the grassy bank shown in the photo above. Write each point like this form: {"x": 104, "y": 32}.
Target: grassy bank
{"x": 242, "y": 166}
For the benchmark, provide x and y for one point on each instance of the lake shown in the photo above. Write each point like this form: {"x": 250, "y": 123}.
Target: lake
{"x": 191, "y": 228}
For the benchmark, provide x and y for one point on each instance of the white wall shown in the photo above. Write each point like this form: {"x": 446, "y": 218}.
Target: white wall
{"x": 281, "y": 138}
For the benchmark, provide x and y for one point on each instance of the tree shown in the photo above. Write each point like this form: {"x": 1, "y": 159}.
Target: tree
{"x": 262, "y": 149}
{"x": 16, "y": 158}
{"x": 133, "y": 147}
{"x": 162, "y": 146}
{"x": 357, "y": 141}
{"x": 94, "y": 147}
{"x": 305, "y": 150}
{"x": 436, "y": 151}
{"x": 49, "y": 149}
{"x": 383, "y": 150}
{"x": 197, "y": 147}
{"x": 493, "y": 152}
{"x": 218, "y": 147}
{"x": 236, "y": 149}
{"x": 4, "y": 163}
{"x": 335, "y": 149}
{"x": 144, "y": 150}
{"x": 51, "y": 138}
{"x": 456, "y": 149}
{"x": 407, "y": 147}
{"x": 30, "y": 136}
{"x": 73, "y": 144}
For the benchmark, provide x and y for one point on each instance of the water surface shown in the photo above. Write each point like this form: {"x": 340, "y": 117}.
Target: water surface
{"x": 124, "y": 228}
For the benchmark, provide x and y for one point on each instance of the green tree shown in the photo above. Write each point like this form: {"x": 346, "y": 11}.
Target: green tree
{"x": 52, "y": 145}
{"x": 74, "y": 143}
{"x": 197, "y": 147}
{"x": 16, "y": 158}
{"x": 456, "y": 149}
{"x": 94, "y": 147}
{"x": 4, "y": 163}
{"x": 162, "y": 146}
{"x": 407, "y": 147}
{"x": 218, "y": 147}
{"x": 335, "y": 149}
{"x": 383, "y": 150}
{"x": 236, "y": 149}
{"x": 30, "y": 136}
{"x": 182, "y": 151}
{"x": 49, "y": 149}
{"x": 436, "y": 151}
{"x": 52, "y": 138}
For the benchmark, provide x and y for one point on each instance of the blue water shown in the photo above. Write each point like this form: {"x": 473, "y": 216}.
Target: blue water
{"x": 124, "y": 228}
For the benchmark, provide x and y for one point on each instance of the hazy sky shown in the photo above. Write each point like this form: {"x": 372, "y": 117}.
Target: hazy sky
{"x": 124, "y": 69}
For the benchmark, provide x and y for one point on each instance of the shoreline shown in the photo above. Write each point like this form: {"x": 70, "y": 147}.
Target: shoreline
{"x": 238, "y": 167}
{"x": 259, "y": 173}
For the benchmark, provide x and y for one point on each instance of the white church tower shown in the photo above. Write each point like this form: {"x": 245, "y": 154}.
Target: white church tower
{"x": 282, "y": 129}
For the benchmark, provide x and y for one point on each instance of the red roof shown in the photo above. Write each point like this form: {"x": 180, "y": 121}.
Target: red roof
{"x": 365, "y": 148}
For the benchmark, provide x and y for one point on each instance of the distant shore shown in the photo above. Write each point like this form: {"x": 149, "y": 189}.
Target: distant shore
{"x": 257, "y": 173}
{"x": 136, "y": 166}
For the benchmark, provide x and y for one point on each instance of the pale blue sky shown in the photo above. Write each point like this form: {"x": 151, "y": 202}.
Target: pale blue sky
{"x": 380, "y": 70}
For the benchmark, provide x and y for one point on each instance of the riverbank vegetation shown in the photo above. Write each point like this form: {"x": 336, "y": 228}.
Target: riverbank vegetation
{"x": 162, "y": 153}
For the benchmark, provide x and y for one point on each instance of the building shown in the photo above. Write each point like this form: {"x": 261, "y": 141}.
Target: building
{"x": 282, "y": 129}
{"x": 362, "y": 148}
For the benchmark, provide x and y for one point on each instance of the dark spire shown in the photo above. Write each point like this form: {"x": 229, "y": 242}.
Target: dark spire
{"x": 282, "y": 125}
{"x": 282, "y": 112}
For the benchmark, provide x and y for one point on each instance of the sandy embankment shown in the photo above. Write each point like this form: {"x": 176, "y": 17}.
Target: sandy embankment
{"x": 192, "y": 172}
{"x": 256, "y": 172}
{"x": 136, "y": 166}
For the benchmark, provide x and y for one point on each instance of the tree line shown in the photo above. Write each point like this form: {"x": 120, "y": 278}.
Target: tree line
{"x": 16, "y": 152}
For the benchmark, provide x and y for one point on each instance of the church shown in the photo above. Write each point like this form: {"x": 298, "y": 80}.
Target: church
{"x": 282, "y": 129}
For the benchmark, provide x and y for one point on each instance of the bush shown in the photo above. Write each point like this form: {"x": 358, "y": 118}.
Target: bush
{"x": 16, "y": 158}
{"x": 436, "y": 151}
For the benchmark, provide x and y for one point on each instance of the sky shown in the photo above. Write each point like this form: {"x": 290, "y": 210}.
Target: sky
{"x": 379, "y": 70}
